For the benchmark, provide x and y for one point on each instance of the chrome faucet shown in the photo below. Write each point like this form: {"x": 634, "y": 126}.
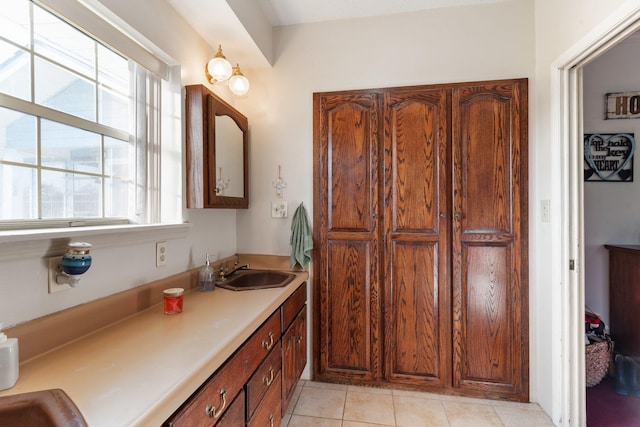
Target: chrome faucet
{"x": 223, "y": 275}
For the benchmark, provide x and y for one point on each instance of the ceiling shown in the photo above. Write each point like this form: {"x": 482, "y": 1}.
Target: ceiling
{"x": 288, "y": 12}
{"x": 217, "y": 23}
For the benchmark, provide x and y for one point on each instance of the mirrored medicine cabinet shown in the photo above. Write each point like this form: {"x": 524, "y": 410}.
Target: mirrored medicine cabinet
{"x": 217, "y": 152}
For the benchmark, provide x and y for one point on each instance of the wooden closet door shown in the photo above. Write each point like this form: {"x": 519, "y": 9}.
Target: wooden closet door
{"x": 416, "y": 274}
{"x": 489, "y": 257}
{"x": 346, "y": 232}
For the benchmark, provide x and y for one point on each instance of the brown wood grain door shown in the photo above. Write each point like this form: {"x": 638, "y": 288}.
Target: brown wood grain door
{"x": 346, "y": 232}
{"x": 489, "y": 256}
{"x": 416, "y": 231}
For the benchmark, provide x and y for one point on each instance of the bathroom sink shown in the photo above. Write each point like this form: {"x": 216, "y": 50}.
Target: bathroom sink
{"x": 244, "y": 280}
{"x": 44, "y": 408}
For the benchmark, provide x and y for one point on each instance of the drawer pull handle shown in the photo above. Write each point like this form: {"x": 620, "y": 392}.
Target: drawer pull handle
{"x": 299, "y": 339}
{"x": 268, "y": 344}
{"x": 268, "y": 380}
{"x": 211, "y": 410}
{"x": 270, "y": 420}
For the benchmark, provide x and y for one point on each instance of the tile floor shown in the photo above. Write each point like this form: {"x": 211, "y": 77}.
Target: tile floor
{"x": 317, "y": 404}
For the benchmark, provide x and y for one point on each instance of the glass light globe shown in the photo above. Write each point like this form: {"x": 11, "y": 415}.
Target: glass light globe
{"x": 238, "y": 83}
{"x": 219, "y": 68}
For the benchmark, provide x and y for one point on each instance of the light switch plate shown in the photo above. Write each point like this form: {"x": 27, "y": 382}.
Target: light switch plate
{"x": 279, "y": 209}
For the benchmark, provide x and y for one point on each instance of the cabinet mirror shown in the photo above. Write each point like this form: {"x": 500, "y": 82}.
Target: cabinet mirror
{"x": 217, "y": 149}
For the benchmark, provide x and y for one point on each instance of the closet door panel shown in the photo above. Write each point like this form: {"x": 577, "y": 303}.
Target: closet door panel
{"x": 348, "y": 328}
{"x": 486, "y": 313}
{"x": 417, "y": 337}
{"x": 486, "y": 163}
{"x": 346, "y": 236}
{"x": 414, "y": 312}
{"x": 349, "y": 140}
{"x": 416, "y": 132}
{"x": 489, "y": 261}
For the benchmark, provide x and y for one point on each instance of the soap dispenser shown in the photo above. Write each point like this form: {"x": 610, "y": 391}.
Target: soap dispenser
{"x": 206, "y": 277}
{"x": 8, "y": 361}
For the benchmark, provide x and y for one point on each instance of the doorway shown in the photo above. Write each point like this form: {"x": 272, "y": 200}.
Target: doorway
{"x": 567, "y": 82}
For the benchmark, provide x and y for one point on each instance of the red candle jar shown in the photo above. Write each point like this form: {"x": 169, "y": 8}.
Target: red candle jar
{"x": 173, "y": 298}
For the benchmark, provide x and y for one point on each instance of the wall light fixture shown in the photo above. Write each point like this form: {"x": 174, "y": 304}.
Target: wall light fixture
{"x": 219, "y": 70}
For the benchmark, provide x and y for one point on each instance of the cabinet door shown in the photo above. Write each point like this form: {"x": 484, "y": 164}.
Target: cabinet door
{"x": 301, "y": 343}
{"x": 416, "y": 280}
{"x": 294, "y": 356}
{"x": 489, "y": 256}
{"x": 346, "y": 217}
{"x": 288, "y": 365}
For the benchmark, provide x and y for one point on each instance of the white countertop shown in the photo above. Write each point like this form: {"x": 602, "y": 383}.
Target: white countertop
{"x": 138, "y": 371}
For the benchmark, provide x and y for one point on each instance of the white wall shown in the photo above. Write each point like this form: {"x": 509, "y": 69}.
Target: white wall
{"x": 127, "y": 260}
{"x": 611, "y": 210}
{"x": 441, "y": 45}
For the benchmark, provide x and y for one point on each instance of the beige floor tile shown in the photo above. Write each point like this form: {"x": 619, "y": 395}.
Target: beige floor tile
{"x": 419, "y": 394}
{"x": 419, "y": 412}
{"x": 517, "y": 417}
{"x": 332, "y": 386}
{"x": 369, "y": 408}
{"x": 520, "y": 405}
{"x": 359, "y": 424}
{"x": 285, "y": 420}
{"x": 462, "y": 414}
{"x": 300, "y": 421}
{"x": 320, "y": 402}
{"x": 374, "y": 390}
{"x": 463, "y": 399}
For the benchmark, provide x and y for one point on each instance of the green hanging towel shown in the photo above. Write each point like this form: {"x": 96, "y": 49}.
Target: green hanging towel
{"x": 301, "y": 239}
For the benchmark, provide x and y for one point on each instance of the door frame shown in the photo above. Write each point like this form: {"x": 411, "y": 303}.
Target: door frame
{"x": 566, "y": 133}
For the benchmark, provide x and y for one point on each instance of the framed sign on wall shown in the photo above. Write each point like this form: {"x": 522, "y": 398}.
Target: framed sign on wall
{"x": 622, "y": 105}
{"x": 609, "y": 157}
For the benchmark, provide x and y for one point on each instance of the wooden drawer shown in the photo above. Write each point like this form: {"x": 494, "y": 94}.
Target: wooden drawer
{"x": 234, "y": 416}
{"x": 292, "y": 305}
{"x": 211, "y": 400}
{"x": 263, "y": 379}
{"x": 268, "y": 412}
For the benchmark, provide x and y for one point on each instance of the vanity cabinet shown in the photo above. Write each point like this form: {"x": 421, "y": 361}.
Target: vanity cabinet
{"x": 217, "y": 152}
{"x": 248, "y": 387}
{"x": 294, "y": 343}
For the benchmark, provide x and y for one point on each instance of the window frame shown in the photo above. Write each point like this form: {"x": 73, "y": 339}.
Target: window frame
{"x": 82, "y": 17}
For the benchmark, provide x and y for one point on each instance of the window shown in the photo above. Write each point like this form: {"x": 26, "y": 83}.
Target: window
{"x": 79, "y": 126}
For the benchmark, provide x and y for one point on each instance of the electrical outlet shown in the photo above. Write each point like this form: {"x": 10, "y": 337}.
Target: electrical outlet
{"x": 544, "y": 210}
{"x": 161, "y": 254}
{"x": 53, "y": 273}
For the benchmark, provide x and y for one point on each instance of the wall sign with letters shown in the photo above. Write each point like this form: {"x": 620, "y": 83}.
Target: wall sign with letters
{"x": 609, "y": 157}
{"x": 622, "y": 105}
